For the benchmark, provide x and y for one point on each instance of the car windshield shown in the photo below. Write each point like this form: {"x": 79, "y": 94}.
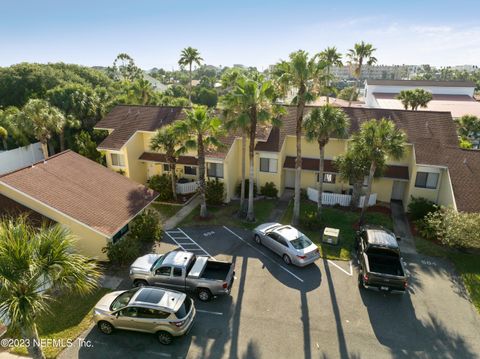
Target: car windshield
{"x": 157, "y": 263}
{"x": 123, "y": 299}
{"x": 301, "y": 242}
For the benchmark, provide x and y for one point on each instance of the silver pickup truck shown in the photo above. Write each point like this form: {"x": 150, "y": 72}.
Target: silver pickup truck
{"x": 184, "y": 271}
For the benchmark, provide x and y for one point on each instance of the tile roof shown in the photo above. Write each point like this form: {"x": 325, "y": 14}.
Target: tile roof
{"x": 83, "y": 190}
{"x": 421, "y": 83}
{"x": 311, "y": 164}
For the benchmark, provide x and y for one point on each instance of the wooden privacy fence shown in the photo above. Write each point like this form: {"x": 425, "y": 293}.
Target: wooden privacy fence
{"x": 331, "y": 199}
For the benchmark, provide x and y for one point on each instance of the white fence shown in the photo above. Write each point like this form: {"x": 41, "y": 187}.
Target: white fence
{"x": 20, "y": 157}
{"x": 188, "y": 187}
{"x": 344, "y": 200}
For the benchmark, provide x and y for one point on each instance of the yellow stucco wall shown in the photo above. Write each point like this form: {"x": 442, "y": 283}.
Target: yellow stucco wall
{"x": 134, "y": 148}
{"x": 430, "y": 194}
{"x": 89, "y": 242}
{"x": 445, "y": 192}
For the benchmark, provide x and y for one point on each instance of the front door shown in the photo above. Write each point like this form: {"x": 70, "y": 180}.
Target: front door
{"x": 398, "y": 190}
{"x": 289, "y": 178}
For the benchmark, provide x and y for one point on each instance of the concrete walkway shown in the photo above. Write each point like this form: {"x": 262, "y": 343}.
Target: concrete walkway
{"x": 281, "y": 206}
{"x": 401, "y": 228}
{"x": 173, "y": 221}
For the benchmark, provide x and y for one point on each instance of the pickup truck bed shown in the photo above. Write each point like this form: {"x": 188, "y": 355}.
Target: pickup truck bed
{"x": 216, "y": 270}
{"x": 385, "y": 264}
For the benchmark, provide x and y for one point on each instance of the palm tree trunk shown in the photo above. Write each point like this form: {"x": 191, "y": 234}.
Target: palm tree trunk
{"x": 357, "y": 188}
{"x": 31, "y": 335}
{"x": 44, "y": 149}
{"x": 251, "y": 153}
{"x": 356, "y": 87}
{"x": 320, "y": 180}
{"x": 62, "y": 140}
{"x": 190, "y": 83}
{"x": 173, "y": 174}
{"x": 242, "y": 185}
{"x": 201, "y": 179}
{"x": 298, "y": 160}
{"x": 369, "y": 191}
{"x": 328, "y": 84}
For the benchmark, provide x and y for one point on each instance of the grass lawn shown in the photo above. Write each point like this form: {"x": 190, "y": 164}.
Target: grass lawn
{"x": 227, "y": 215}
{"x": 336, "y": 218}
{"x": 71, "y": 315}
{"x": 467, "y": 265}
{"x": 165, "y": 210}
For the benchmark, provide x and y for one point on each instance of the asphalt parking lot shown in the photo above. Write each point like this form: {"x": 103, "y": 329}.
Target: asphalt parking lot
{"x": 276, "y": 311}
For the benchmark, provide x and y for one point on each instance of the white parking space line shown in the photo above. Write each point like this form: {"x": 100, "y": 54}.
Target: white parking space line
{"x": 199, "y": 246}
{"x": 343, "y": 270}
{"x": 180, "y": 238}
{"x": 266, "y": 256}
{"x": 173, "y": 239}
{"x": 209, "y": 312}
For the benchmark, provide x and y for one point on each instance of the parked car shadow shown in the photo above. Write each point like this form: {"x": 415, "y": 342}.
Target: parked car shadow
{"x": 396, "y": 326}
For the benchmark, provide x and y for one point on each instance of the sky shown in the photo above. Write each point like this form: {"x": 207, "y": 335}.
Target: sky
{"x": 253, "y": 33}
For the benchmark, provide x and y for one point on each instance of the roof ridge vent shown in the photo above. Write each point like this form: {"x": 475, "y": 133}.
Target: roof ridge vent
{"x": 465, "y": 161}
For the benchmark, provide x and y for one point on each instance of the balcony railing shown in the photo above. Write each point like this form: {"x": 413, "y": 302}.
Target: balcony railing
{"x": 343, "y": 200}
{"x": 187, "y": 187}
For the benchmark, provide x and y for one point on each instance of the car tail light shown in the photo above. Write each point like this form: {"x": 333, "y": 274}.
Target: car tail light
{"x": 225, "y": 285}
{"x": 365, "y": 277}
{"x": 405, "y": 285}
{"x": 302, "y": 257}
{"x": 178, "y": 323}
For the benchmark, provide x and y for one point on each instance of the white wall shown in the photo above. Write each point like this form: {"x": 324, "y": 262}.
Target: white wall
{"x": 20, "y": 157}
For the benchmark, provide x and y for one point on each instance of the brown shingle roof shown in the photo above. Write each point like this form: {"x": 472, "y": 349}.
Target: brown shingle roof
{"x": 311, "y": 164}
{"x": 421, "y": 83}
{"x": 125, "y": 120}
{"x": 83, "y": 190}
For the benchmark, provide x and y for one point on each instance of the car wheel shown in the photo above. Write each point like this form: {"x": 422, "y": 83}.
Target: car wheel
{"x": 105, "y": 327}
{"x": 287, "y": 259}
{"x": 165, "y": 338}
{"x": 204, "y": 294}
{"x": 360, "y": 281}
{"x": 257, "y": 239}
{"x": 140, "y": 283}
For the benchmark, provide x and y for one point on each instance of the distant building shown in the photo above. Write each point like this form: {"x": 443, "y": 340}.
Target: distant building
{"x": 156, "y": 84}
{"x": 378, "y": 72}
{"x": 451, "y": 96}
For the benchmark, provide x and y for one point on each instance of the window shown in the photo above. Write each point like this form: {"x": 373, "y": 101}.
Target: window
{"x": 327, "y": 177}
{"x": 426, "y": 180}
{"x": 152, "y": 313}
{"x": 215, "y": 170}
{"x": 166, "y": 167}
{"x": 177, "y": 272}
{"x": 120, "y": 234}
{"x": 190, "y": 170}
{"x": 268, "y": 165}
{"x": 164, "y": 271}
{"x": 117, "y": 160}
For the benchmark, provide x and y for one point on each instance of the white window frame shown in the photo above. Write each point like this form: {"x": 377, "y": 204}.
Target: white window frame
{"x": 326, "y": 174}
{"x": 272, "y": 165}
{"x": 217, "y": 166}
{"x": 120, "y": 159}
{"x": 429, "y": 174}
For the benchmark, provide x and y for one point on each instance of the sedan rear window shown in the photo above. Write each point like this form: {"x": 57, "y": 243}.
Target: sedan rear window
{"x": 301, "y": 242}
{"x": 184, "y": 309}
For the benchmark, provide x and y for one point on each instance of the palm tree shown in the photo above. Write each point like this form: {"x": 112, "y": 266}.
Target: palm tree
{"x": 251, "y": 103}
{"x": 378, "y": 140}
{"x": 323, "y": 123}
{"x": 201, "y": 130}
{"x": 142, "y": 90}
{"x": 189, "y": 56}
{"x": 353, "y": 167}
{"x": 9, "y": 120}
{"x": 468, "y": 127}
{"x": 32, "y": 260}
{"x": 4, "y": 136}
{"x": 356, "y": 57}
{"x": 303, "y": 73}
{"x": 172, "y": 143}
{"x": 330, "y": 57}
{"x": 41, "y": 120}
{"x": 414, "y": 98}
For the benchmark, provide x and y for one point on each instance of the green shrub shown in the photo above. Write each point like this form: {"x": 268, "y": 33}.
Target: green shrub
{"x": 345, "y": 93}
{"x": 309, "y": 220}
{"x": 124, "y": 251}
{"x": 452, "y": 228}
{"x": 146, "y": 227}
{"x": 214, "y": 192}
{"x": 269, "y": 190}
{"x": 163, "y": 185}
{"x": 303, "y": 194}
{"x": 238, "y": 189}
{"x": 419, "y": 207}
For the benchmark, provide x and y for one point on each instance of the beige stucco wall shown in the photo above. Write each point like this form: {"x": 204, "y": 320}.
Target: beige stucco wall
{"x": 134, "y": 148}
{"x": 430, "y": 194}
{"x": 89, "y": 242}
{"x": 445, "y": 192}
